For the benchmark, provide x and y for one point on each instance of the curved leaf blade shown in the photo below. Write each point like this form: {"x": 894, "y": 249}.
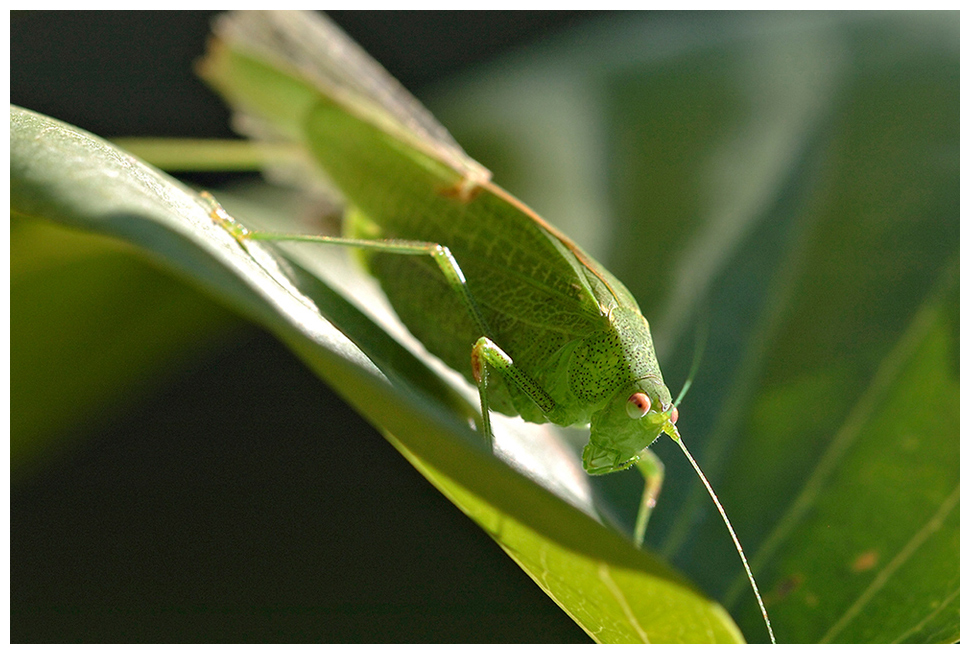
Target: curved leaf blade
{"x": 636, "y": 596}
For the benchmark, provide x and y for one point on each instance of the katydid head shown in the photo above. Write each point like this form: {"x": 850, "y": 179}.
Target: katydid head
{"x": 632, "y": 420}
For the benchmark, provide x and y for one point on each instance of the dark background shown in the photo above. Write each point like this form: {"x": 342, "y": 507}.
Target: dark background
{"x": 229, "y": 503}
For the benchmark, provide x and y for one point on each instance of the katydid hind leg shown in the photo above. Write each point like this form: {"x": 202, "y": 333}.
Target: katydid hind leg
{"x": 439, "y": 253}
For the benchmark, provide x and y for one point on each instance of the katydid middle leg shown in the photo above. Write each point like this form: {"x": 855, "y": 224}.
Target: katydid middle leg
{"x": 487, "y": 357}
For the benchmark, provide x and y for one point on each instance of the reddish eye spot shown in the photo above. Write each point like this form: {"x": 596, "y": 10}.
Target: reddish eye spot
{"x": 674, "y": 414}
{"x": 637, "y": 405}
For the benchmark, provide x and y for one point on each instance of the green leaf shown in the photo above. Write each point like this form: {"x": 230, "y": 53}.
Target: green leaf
{"x": 614, "y": 591}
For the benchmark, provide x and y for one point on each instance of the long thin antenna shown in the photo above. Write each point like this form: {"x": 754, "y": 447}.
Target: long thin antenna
{"x": 700, "y": 342}
{"x": 737, "y": 544}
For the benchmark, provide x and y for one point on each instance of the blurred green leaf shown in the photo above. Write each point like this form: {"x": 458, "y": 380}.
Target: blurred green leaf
{"x": 789, "y": 181}
{"x": 96, "y": 304}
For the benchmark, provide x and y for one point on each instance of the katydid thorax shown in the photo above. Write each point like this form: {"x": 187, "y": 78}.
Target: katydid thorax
{"x": 494, "y": 291}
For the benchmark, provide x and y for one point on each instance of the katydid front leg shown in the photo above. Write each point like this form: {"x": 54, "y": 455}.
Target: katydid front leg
{"x": 652, "y": 469}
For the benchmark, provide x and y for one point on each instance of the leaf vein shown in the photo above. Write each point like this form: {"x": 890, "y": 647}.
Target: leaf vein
{"x": 843, "y": 440}
{"x": 604, "y": 575}
{"x": 908, "y": 550}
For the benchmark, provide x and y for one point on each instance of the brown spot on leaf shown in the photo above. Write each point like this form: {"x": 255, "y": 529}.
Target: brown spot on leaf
{"x": 785, "y": 588}
{"x": 865, "y": 561}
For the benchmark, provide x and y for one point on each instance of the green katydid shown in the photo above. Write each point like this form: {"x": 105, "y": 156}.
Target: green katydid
{"x": 542, "y": 329}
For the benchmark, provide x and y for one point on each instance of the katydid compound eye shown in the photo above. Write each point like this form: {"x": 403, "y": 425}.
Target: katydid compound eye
{"x": 637, "y": 405}
{"x": 674, "y": 414}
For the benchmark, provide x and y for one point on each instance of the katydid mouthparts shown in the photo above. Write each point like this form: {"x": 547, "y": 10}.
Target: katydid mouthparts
{"x": 490, "y": 288}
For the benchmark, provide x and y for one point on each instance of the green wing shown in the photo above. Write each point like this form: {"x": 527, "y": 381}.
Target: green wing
{"x": 300, "y": 75}
{"x": 295, "y": 57}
